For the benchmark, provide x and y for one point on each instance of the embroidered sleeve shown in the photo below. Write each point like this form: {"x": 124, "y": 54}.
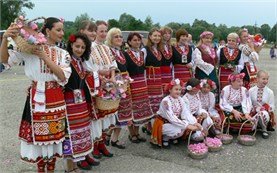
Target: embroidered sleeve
{"x": 213, "y": 112}
{"x": 271, "y": 101}
{"x": 14, "y": 58}
{"x": 64, "y": 63}
{"x": 240, "y": 66}
{"x": 223, "y": 102}
{"x": 186, "y": 113}
{"x": 246, "y": 102}
{"x": 198, "y": 61}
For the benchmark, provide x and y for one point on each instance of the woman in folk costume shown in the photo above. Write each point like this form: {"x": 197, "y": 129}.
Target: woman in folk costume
{"x": 205, "y": 60}
{"x": 124, "y": 115}
{"x": 173, "y": 118}
{"x": 235, "y": 102}
{"x": 167, "y": 53}
{"x": 153, "y": 62}
{"x": 229, "y": 59}
{"x": 249, "y": 56}
{"x": 88, "y": 28}
{"x": 192, "y": 98}
{"x": 78, "y": 142}
{"x": 208, "y": 102}
{"x": 102, "y": 61}
{"x": 42, "y": 129}
{"x": 142, "y": 112}
{"x": 182, "y": 52}
{"x": 263, "y": 104}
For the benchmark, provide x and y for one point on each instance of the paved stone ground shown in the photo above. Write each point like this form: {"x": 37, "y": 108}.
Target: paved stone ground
{"x": 261, "y": 157}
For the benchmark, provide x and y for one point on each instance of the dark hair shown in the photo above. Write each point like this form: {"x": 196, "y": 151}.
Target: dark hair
{"x": 181, "y": 32}
{"x": 49, "y": 24}
{"x": 87, "y": 24}
{"x": 193, "y": 82}
{"x": 132, "y": 35}
{"x": 101, "y": 22}
{"x": 87, "y": 42}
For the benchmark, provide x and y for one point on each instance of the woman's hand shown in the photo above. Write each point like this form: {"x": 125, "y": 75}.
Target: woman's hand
{"x": 237, "y": 115}
{"x": 12, "y": 31}
{"x": 38, "y": 50}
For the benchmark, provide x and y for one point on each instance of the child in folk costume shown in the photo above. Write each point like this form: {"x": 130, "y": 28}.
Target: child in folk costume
{"x": 205, "y": 60}
{"x": 182, "y": 56}
{"x": 124, "y": 115}
{"x": 229, "y": 59}
{"x": 142, "y": 112}
{"x": 262, "y": 99}
{"x": 78, "y": 143}
{"x": 167, "y": 53}
{"x": 153, "y": 58}
{"x": 235, "y": 102}
{"x": 42, "y": 129}
{"x": 208, "y": 102}
{"x": 174, "y": 117}
{"x": 192, "y": 98}
{"x": 249, "y": 56}
{"x": 102, "y": 61}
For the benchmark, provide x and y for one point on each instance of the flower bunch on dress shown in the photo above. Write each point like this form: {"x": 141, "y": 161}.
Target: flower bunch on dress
{"x": 34, "y": 38}
{"x": 199, "y": 148}
{"x": 213, "y": 142}
{"x": 257, "y": 40}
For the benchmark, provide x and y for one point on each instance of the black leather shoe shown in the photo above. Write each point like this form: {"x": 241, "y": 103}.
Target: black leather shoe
{"x": 115, "y": 144}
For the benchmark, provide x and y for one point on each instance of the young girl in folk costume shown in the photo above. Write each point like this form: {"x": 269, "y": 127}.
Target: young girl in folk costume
{"x": 235, "y": 102}
{"x": 124, "y": 115}
{"x": 142, "y": 112}
{"x": 205, "y": 60}
{"x": 102, "y": 61}
{"x": 249, "y": 56}
{"x": 182, "y": 56}
{"x": 42, "y": 129}
{"x": 262, "y": 99}
{"x": 229, "y": 59}
{"x": 167, "y": 53}
{"x": 153, "y": 58}
{"x": 78, "y": 142}
{"x": 89, "y": 28}
{"x": 208, "y": 102}
{"x": 192, "y": 98}
{"x": 173, "y": 117}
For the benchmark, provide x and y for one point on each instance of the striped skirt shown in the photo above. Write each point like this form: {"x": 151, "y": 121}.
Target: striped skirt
{"x": 79, "y": 142}
{"x": 140, "y": 99}
{"x": 223, "y": 76}
{"x": 182, "y": 72}
{"x": 166, "y": 76}
{"x": 154, "y": 85}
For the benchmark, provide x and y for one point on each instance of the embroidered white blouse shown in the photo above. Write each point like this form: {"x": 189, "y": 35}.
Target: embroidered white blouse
{"x": 230, "y": 98}
{"x": 195, "y": 104}
{"x": 260, "y": 96}
{"x": 208, "y": 103}
{"x": 198, "y": 62}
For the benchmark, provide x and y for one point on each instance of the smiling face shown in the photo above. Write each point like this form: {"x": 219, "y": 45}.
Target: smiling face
{"x": 175, "y": 91}
{"x": 56, "y": 33}
{"x": 232, "y": 42}
{"x": 135, "y": 42}
{"x": 166, "y": 36}
{"x": 90, "y": 34}
{"x": 207, "y": 40}
{"x": 117, "y": 40}
{"x": 183, "y": 40}
{"x": 206, "y": 88}
{"x": 78, "y": 47}
{"x": 244, "y": 37}
{"x": 155, "y": 37}
{"x": 262, "y": 80}
{"x": 238, "y": 83}
{"x": 101, "y": 33}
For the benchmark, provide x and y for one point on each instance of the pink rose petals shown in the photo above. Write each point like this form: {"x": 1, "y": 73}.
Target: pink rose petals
{"x": 199, "y": 148}
{"x": 213, "y": 142}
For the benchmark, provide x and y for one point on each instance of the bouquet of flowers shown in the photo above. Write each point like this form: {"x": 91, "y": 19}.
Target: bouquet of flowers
{"x": 111, "y": 91}
{"x": 29, "y": 34}
{"x": 214, "y": 144}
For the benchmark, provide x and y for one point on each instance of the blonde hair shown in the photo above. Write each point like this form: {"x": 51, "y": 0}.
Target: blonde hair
{"x": 149, "y": 42}
{"x": 233, "y": 35}
{"x": 112, "y": 32}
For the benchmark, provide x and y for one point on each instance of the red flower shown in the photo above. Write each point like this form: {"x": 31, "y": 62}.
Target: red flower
{"x": 258, "y": 38}
{"x": 72, "y": 38}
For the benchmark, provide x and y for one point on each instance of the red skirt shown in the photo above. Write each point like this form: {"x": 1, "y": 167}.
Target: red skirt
{"x": 223, "y": 76}
{"x": 154, "y": 85}
{"x": 166, "y": 76}
{"x": 182, "y": 72}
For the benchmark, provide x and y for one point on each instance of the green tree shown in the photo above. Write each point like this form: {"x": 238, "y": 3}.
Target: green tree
{"x": 113, "y": 23}
{"x": 265, "y": 31}
{"x": 148, "y": 23}
{"x": 11, "y": 10}
{"x": 81, "y": 18}
{"x": 273, "y": 34}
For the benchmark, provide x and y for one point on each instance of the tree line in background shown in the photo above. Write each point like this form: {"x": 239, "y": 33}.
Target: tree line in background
{"x": 126, "y": 22}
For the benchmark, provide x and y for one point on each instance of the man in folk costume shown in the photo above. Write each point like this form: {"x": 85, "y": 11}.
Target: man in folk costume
{"x": 262, "y": 99}
{"x": 167, "y": 53}
{"x": 174, "y": 117}
{"x": 182, "y": 56}
{"x": 236, "y": 103}
{"x": 229, "y": 59}
{"x": 102, "y": 61}
{"x": 250, "y": 56}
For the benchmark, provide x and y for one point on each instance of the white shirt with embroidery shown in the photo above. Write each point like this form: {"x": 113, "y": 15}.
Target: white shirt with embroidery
{"x": 260, "y": 96}
{"x": 208, "y": 103}
{"x": 195, "y": 104}
{"x": 198, "y": 62}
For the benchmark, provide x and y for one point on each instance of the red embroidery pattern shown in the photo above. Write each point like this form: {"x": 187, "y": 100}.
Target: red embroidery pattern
{"x": 167, "y": 54}
{"x": 156, "y": 53}
{"x": 121, "y": 59}
{"x": 178, "y": 48}
{"x": 228, "y": 56}
{"x": 137, "y": 60}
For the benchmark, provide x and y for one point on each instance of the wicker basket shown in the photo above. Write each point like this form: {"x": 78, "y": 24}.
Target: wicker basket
{"x": 247, "y": 140}
{"x": 193, "y": 154}
{"x": 21, "y": 43}
{"x": 225, "y": 138}
{"x": 103, "y": 104}
{"x": 213, "y": 148}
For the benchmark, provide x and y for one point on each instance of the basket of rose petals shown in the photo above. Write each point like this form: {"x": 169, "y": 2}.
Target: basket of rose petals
{"x": 225, "y": 138}
{"x": 197, "y": 151}
{"x": 247, "y": 140}
{"x": 213, "y": 144}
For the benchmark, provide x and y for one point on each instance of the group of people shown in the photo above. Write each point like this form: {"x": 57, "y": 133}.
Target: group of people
{"x": 175, "y": 89}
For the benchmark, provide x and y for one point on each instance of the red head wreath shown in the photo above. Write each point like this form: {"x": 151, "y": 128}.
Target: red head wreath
{"x": 233, "y": 77}
{"x": 173, "y": 83}
{"x": 209, "y": 82}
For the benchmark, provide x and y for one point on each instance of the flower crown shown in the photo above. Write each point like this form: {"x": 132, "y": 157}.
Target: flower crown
{"x": 233, "y": 77}
{"x": 209, "y": 82}
{"x": 189, "y": 87}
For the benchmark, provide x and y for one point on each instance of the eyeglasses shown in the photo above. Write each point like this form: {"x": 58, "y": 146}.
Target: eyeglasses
{"x": 118, "y": 36}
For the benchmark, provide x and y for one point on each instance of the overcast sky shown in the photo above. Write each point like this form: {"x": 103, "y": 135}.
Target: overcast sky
{"x": 229, "y": 12}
